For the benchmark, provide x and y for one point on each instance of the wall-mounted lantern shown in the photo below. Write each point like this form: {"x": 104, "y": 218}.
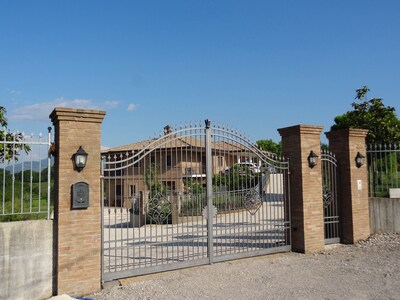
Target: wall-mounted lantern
{"x": 360, "y": 160}
{"x": 80, "y": 158}
{"x": 312, "y": 159}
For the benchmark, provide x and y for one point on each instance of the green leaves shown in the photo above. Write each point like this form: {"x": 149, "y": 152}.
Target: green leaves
{"x": 3, "y": 119}
{"x": 238, "y": 177}
{"x": 270, "y": 146}
{"x": 10, "y": 150}
{"x": 361, "y": 92}
{"x": 380, "y": 120}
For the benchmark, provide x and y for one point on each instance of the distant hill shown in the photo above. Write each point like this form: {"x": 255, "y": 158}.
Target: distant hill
{"x": 37, "y": 166}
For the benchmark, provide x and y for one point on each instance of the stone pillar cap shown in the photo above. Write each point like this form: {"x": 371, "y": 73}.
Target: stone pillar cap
{"x": 353, "y": 132}
{"x": 302, "y": 129}
{"x": 75, "y": 114}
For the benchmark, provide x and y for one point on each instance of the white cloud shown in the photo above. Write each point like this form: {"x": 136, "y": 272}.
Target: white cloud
{"x": 111, "y": 104}
{"x": 41, "y": 111}
{"x": 132, "y": 107}
{"x": 13, "y": 92}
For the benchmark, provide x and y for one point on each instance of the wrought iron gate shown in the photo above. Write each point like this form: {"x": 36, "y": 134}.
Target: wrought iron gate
{"x": 330, "y": 197}
{"x": 197, "y": 194}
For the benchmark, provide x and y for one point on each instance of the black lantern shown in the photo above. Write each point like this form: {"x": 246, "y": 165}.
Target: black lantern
{"x": 359, "y": 160}
{"x": 80, "y": 158}
{"x": 312, "y": 159}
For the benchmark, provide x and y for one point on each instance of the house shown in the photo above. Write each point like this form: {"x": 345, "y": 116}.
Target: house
{"x": 173, "y": 163}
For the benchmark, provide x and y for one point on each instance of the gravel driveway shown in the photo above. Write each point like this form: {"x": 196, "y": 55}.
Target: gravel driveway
{"x": 368, "y": 270}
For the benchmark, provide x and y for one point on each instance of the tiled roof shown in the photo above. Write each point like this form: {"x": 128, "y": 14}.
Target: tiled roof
{"x": 176, "y": 142}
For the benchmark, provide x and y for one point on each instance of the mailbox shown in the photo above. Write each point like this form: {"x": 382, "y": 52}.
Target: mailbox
{"x": 80, "y": 195}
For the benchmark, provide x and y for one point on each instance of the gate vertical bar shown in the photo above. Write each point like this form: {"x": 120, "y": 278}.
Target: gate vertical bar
{"x": 48, "y": 172}
{"x": 209, "y": 192}
{"x": 102, "y": 159}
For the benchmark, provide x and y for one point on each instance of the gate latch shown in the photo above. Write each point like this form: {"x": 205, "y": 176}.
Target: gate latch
{"x": 213, "y": 211}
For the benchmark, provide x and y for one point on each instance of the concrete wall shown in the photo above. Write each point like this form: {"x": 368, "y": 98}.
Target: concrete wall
{"x": 26, "y": 259}
{"x": 384, "y": 215}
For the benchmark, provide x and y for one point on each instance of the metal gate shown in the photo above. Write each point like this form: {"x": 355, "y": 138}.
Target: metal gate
{"x": 197, "y": 194}
{"x": 330, "y": 197}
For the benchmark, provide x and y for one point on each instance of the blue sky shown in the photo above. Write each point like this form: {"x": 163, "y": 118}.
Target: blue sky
{"x": 255, "y": 65}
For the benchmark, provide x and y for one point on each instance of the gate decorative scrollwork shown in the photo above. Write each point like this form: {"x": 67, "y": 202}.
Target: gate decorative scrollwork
{"x": 327, "y": 196}
{"x": 159, "y": 209}
{"x": 252, "y": 201}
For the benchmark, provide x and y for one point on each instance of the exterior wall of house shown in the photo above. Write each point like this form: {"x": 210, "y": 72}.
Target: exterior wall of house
{"x": 183, "y": 168}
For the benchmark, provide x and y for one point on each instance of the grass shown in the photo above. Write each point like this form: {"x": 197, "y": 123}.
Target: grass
{"x": 380, "y": 183}
{"x": 27, "y": 205}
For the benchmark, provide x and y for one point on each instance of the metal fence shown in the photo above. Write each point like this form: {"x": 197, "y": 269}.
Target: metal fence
{"x": 330, "y": 195}
{"x": 383, "y": 169}
{"x": 25, "y": 177}
{"x": 195, "y": 195}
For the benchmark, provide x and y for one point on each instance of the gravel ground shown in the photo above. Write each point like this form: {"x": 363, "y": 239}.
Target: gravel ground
{"x": 369, "y": 269}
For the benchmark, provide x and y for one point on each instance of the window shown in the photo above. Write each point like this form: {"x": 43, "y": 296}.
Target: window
{"x": 118, "y": 172}
{"x": 118, "y": 190}
{"x": 220, "y": 161}
{"x": 131, "y": 190}
{"x": 170, "y": 185}
{"x": 169, "y": 161}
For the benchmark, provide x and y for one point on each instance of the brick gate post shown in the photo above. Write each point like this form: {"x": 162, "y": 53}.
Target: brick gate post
{"x": 306, "y": 207}
{"x": 77, "y": 232}
{"x": 353, "y": 183}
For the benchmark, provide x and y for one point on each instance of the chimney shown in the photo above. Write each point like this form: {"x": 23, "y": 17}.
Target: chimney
{"x": 167, "y": 129}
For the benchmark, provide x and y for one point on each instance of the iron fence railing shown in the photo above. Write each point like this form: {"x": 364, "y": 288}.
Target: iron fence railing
{"x": 383, "y": 169}
{"x": 25, "y": 178}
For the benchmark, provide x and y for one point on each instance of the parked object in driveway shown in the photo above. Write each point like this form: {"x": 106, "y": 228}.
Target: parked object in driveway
{"x": 253, "y": 167}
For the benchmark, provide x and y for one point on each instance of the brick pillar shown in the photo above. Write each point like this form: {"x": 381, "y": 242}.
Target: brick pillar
{"x": 77, "y": 232}
{"x": 305, "y": 187}
{"x": 353, "y": 183}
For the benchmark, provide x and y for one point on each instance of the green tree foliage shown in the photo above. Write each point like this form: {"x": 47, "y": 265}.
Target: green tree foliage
{"x": 372, "y": 114}
{"x": 27, "y": 188}
{"x": 152, "y": 182}
{"x": 237, "y": 178}
{"x": 158, "y": 211}
{"x": 44, "y": 174}
{"x": 10, "y": 151}
{"x": 194, "y": 188}
{"x": 270, "y": 146}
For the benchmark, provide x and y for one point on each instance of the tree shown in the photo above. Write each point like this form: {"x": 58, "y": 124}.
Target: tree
{"x": 153, "y": 184}
{"x": 10, "y": 151}
{"x": 159, "y": 210}
{"x": 270, "y": 146}
{"x": 380, "y": 120}
{"x": 238, "y": 177}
